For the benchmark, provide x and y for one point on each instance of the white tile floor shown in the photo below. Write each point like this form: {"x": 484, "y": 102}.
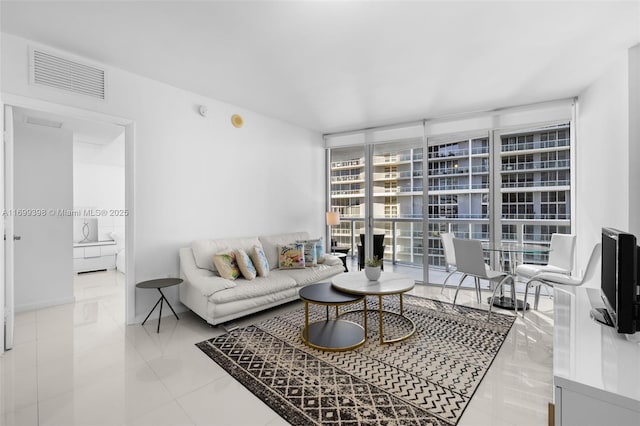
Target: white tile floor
{"x": 78, "y": 364}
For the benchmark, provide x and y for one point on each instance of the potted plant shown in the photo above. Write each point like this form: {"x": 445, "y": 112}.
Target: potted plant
{"x": 372, "y": 268}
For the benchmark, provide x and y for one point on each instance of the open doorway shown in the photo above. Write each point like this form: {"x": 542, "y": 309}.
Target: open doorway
{"x": 99, "y": 215}
{"x": 69, "y": 181}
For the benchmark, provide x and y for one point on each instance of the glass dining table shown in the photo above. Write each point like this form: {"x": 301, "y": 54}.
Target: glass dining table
{"x": 510, "y": 254}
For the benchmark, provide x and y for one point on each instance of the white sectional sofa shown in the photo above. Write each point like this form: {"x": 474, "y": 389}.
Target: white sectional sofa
{"x": 218, "y": 300}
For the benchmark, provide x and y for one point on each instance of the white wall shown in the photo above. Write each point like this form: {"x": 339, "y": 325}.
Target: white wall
{"x": 602, "y": 151}
{"x": 634, "y": 140}
{"x": 197, "y": 177}
{"x": 43, "y": 161}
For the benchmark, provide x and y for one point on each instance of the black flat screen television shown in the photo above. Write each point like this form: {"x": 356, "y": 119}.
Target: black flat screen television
{"x": 619, "y": 279}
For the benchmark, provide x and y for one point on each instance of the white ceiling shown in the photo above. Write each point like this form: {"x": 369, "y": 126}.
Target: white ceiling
{"x": 331, "y": 66}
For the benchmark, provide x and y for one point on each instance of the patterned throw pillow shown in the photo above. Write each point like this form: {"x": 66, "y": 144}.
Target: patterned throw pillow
{"x": 310, "y": 255}
{"x": 319, "y": 249}
{"x": 245, "y": 264}
{"x": 291, "y": 256}
{"x": 260, "y": 261}
{"x": 227, "y": 265}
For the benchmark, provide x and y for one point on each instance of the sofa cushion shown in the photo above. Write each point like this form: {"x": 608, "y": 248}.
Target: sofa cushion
{"x": 245, "y": 264}
{"x": 291, "y": 256}
{"x": 204, "y": 250}
{"x": 311, "y": 275}
{"x": 270, "y": 245}
{"x": 226, "y": 264}
{"x": 244, "y": 289}
{"x": 331, "y": 260}
{"x": 259, "y": 260}
{"x": 205, "y": 281}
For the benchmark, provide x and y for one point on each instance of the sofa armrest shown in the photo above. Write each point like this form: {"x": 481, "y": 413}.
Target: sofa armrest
{"x": 332, "y": 260}
{"x": 204, "y": 280}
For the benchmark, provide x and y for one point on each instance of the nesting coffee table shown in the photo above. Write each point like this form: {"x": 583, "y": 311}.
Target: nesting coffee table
{"x": 388, "y": 284}
{"x": 331, "y": 334}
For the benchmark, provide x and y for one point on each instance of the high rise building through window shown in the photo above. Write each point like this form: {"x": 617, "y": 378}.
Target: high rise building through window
{"x": 525, "y": 175}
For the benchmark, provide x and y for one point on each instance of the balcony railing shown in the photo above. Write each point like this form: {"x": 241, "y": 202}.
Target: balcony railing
{"x": 404, "y": 236}
{"x": 479, "y": 169}
{"x": 452, "y": 187}
{"x": 448, "y": 154}
{"x": 531, "y": 184}
{"x": 348, "y": 192}
{"x": 480, "y": 150}
{"x": 448, "y": 171}
{"x": 525, "y": 146}
{"x": 347, "y": 178}
{"x": 536, "y": 216}
{"x": 349, "y": 163}
{"x": 532, "y": 165}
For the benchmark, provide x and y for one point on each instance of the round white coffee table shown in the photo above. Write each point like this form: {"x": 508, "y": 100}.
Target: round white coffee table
{"x": 388, "y": 284}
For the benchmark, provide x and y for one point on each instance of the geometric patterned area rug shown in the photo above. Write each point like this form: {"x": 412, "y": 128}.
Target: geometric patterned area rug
{"x": 427, "y": 379}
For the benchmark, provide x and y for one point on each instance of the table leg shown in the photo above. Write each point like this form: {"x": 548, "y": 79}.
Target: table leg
{"x": 380, "y": 315}
{"x": 401, "y": 305}
{"x": 364, "y": 302}
{"x": 152, "y": 309}
{"x": 306, "y": 320}
{"x": 171, "y": 307}
{"x": 160, "y": 315}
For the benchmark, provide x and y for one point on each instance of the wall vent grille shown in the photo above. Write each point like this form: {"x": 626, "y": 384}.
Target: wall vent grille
{"x": 71, "y": 76}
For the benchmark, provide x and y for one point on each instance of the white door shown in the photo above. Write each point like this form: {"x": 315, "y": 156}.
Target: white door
{"x": 42, "y": 196}
{"x": 8, "y": 247}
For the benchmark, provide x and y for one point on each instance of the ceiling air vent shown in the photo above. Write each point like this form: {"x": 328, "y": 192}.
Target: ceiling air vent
{"x": 71, "y": 76}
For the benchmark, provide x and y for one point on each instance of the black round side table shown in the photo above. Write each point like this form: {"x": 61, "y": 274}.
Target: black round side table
{"x": 159, "y": 284}
{"x": 331, "y": 334}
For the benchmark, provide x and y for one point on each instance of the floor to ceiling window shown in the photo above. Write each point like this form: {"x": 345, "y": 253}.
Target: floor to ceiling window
{"x": 535, "y": 188}
{"x": 347, "y": 195}
{"x": 502, "y": 183}
{"x": 459, "y": 171}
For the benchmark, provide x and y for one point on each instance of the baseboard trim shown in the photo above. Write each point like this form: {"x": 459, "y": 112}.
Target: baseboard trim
{"x": 44, "y": 304}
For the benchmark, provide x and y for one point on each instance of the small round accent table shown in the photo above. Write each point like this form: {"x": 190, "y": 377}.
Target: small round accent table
{"x": 342, "y": 257}
{"x": 331, "y": 334}
{"x": 159, "y": 284}
{"x": 389, "y": 283}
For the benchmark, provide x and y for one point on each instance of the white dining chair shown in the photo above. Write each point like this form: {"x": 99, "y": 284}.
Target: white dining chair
{"x": 560, "y": 261}
{"x": 560, "y": 258}
{"x": 470, "y": 262}
{"x": 554, "y": 278}
{"x": 449, "y": 255}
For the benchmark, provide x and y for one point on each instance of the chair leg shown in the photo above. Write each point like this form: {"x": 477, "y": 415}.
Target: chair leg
{"x": 513, "y": 295}
{"x": 478, "y": 294}
{"x": 537, "y": 298}
{"x": 458, "y": 289}
{"x": 526, "y": 293}
{"x": 446, "y": 279}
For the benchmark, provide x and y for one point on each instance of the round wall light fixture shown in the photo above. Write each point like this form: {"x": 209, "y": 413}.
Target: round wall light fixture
{"x": 203, "y": 110}
{"x": 237, "y": 121}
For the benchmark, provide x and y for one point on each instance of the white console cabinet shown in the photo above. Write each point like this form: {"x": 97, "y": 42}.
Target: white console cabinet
{"x": 596, "y": 371}
{"x": 94, "y": 256}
